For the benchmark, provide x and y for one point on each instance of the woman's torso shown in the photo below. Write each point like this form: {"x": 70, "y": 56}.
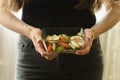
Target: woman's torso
{"x": 57, "y": 13}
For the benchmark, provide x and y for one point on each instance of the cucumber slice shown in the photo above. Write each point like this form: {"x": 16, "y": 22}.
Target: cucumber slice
{"x": 72, "y": 46}
{"x": 54, "y": 45}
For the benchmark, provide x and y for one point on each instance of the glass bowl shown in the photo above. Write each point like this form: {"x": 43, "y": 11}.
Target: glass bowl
{"x": 63, "y": 40}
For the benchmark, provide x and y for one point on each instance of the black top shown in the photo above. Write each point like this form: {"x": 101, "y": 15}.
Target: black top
{"x": 60, "y": 13}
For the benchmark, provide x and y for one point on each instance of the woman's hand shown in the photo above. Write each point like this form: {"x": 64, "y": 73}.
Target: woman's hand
{"x": 88, "y": 43}
{"x": 36, "y": 37}
{"x": 112, "y": 17}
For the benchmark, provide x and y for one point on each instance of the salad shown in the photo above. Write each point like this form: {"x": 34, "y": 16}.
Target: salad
{"x": 64, "y": 42}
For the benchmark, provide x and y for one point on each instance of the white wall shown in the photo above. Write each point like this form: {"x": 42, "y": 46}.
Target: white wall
{"x": 1, "y": 35}
{"x": 1, "y": 52}
{"x": 8, "y": 52}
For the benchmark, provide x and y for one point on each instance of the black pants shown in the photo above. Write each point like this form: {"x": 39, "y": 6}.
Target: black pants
{"x": 31, "y": 66}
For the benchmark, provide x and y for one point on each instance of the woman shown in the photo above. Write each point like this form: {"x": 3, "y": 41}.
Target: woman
{"x": 33, "y": 62}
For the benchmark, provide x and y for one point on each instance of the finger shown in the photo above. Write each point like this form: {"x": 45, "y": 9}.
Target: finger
{"x": 50, "y": 56}
{"x": 40, "y": 48}
{"x": 86, "y": 49}
{"x": 46, "y": 57}
{"x": 89, "y": 34}
{"x": 88, "y": 43}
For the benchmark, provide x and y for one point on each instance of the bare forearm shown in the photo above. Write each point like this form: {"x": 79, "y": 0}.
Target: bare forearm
{"x": 111, "y": 18}
{"x": 13, "y": 23}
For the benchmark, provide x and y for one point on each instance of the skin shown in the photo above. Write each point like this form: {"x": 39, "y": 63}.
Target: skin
{"x": 104, "y": 25}
{"x": 11, "y": 22}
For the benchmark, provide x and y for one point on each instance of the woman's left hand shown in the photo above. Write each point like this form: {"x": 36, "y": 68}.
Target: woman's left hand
{"x": 88, "y": 43}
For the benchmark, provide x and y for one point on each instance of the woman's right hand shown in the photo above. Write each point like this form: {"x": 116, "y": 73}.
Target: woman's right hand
{"x": 36, "y": 37}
